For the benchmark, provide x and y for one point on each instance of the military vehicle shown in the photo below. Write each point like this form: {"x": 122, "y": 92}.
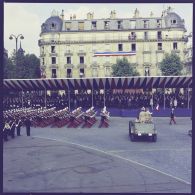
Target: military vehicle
{"x": 138, "y": 129}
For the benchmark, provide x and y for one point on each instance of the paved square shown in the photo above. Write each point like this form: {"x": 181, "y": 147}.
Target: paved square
{"x": 99, "y": 159}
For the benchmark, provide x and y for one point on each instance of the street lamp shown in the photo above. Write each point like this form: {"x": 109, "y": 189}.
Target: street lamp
{"x": 16, "y": 39}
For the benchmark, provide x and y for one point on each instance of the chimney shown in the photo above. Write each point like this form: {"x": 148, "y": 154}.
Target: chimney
{"x": 112, "y": 14}
{"x": 89, "y": 16}
{"x": 62, "y": 15}
{"x": 136, "y": 13}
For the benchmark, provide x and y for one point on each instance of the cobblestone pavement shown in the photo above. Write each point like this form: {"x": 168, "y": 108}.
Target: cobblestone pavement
{"x": 99, "y": 159}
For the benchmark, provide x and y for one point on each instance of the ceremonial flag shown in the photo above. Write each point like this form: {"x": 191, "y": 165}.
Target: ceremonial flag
{"x": 157, "y": 107}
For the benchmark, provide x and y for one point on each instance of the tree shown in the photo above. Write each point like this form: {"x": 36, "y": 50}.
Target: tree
{"x": 22, "y": 66}
{"x": 123, "y": 68}
{"x": 33, "y": 66}
{"x": 171, "y": 65}
{"x": 9, "y": 68}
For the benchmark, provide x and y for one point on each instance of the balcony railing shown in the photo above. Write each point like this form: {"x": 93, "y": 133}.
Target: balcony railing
{"x": 115, "y": 39}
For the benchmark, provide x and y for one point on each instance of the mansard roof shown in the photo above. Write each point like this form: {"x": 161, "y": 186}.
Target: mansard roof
{"x": 57, "y": 24}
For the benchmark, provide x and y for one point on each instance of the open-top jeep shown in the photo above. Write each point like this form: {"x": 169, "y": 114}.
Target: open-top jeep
{"x": 138, "y": 129}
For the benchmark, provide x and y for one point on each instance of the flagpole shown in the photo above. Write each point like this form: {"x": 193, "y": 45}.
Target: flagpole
{"x": 188, "y": 98}
{"x": 69, "y": 98}
{"x": 45, "y": 98}
{"x": 164, "y": 97}
{"x": 22, "y": 98}
{"x": 104, "y": 96}
{"x": 92, "y": 94}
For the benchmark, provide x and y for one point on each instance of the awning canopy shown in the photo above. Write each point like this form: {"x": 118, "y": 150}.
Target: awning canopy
{"x": 98, "y": 83}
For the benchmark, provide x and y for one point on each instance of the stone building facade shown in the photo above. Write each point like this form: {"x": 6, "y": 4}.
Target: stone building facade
{"x": 89, "y": 47}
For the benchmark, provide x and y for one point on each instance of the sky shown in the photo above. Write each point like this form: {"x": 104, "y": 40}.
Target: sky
{"x": 27, "y": 18}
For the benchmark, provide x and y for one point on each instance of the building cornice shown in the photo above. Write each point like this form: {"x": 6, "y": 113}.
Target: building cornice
{"x": 51, "y": 42}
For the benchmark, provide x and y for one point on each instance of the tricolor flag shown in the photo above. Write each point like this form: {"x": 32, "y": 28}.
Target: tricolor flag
{"x": 117, "y": 53}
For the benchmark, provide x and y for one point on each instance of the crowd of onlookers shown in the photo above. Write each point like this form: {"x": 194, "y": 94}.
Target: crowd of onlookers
{"x": 112, "y": 100}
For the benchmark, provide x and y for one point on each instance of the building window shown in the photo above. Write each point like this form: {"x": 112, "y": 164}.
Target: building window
{"x": 106, "y": 25}
{"x": 147, "y": 71}
{"x": 81, "y": 59}
{"x": 82, "y": 73}
{"x": 107, "y": 71}
{"x": 120, "y": 47}
{"x": 53, "y": 26}
{"x": 132, "y": 36}
{"x": 68, "y": 60}
{"x": 81, "y": 26}
{"x": 159, "y": 46}
{"x": 174, "y": 21}
{"x": 53, "y": 49}
{"x": 119, "y": 24}
{"x": 43, "y": 61}
{"x": 53, "y": 60}
{"x": 53, "y": 73}
{"x": 159, "y": 35}
{"x": 95, "y": 72}
{"x": 174, "y": 45}
{"x": 145, "y": 23}
{"x": 133, "y": 47}
{"x": 132, "y": 24}
{"x": 69, "y": 73}
{"x": 81, "y": 48}
{"x": 67, "y": 26}
{"x": 94, "y": 25}
{"x": 158, "y": 23}
{"x": 145, "y": 35}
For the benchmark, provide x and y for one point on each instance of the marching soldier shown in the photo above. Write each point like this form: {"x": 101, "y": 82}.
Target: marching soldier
{"x": 13, "y": 127}
{"x": 18, "y": 126}
{"x": 27, "y": 124}
{"x": 6, "y": 129}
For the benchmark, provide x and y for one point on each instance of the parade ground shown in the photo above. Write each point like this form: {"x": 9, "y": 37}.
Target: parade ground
{"x": 100, "y": 159}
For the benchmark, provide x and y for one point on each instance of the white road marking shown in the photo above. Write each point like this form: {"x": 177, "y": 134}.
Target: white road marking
{"x": 146, "y": 150}
{"x": 115, "y": 155}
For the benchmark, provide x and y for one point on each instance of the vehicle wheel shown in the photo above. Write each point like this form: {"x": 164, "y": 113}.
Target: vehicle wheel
{"x": 154, "y": 138}
{"x": 132, "y": 137}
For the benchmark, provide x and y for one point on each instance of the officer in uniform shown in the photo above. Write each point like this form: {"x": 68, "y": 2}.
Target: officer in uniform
{"x": 6, "y": 129}
{"x": 13, "y": 127}
{"x": 142, "y": 115}
{"x": 18, "y": 126}
{"x": 27, "y": 124}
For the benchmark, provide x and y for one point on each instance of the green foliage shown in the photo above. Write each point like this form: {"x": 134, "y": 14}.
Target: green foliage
{"x": 22, "y": 66}
{"x": 171, "y": 65}
{"x": 123, "y": 68}
{"x": 9, "y": 68}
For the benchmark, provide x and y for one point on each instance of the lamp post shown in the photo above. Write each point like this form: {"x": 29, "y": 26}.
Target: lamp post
{"x": 16, "y": 39}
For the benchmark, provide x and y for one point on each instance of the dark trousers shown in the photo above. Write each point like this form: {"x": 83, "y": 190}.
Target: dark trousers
{"x": 172, "y": 119}
{"x": 28, "y": 131}
{"x": 18, "y": 131}
{"x": 5, "y": 136}
{"x": 103, "y": 118}
{"x": 13, "y": 132}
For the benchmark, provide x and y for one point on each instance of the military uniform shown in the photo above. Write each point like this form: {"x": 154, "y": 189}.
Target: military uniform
{"x": 28, "y": 124}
